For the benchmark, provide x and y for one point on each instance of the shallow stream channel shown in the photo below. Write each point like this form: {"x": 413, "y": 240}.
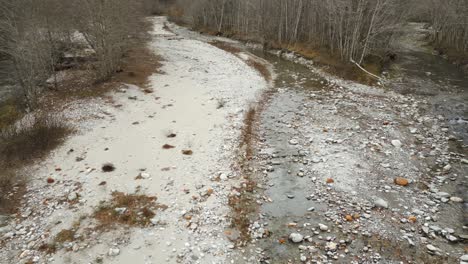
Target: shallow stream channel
{"x": 348, "y": 173}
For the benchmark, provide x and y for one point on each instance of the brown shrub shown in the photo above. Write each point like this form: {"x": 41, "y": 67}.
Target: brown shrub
{"x": 66, "y": 235}
{"x": 137, "y": 210}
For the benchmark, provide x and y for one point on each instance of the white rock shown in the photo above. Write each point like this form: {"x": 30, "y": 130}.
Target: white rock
{"x": 456, "y": 199}
{"x": 293, "y": 142}
{"x": 145, "y": 175}
{"x": 452, "y": 238}
{"x": 396, "y": 143}
{"x": 464, "y": 257}
{"x": 72, "y": 196}
{"x": 379, "y": 202}
{"x": 443, "y": 194}
{"x": 303, "y": 258}
{"x": 120, "y": 210}
{"x": 323, "y": 227}
{"x": 447, "y": 168}
{"x": 432, "y": 248}
{"x": 223, "y": 177}
{"x": 113, "y": 252}
{"x": 296, "y": 237}
{"x": 331, "y": 246}
{"x": 25, "y": 254}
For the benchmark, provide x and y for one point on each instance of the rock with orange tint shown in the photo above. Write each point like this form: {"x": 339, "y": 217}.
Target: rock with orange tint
{"x": 330, "y": 180}
{"x": 412, "y": 219}
{"x": 188, "y": 217}
{"x": 209, "y": 192}
{"x": 401, "y": 181}
{"x": 232, "y": 235}
{"x": 349, "y": 218}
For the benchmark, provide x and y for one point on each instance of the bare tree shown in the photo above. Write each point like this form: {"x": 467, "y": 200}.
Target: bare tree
{"x": 449, "y": 20}
{"x": 35, "y": 35}
{"x": 350, "y": 29}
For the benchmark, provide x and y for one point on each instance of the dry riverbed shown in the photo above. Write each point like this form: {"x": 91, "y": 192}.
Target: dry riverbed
{"x": 328, "y": 171}
{"x": 146, "y": 178}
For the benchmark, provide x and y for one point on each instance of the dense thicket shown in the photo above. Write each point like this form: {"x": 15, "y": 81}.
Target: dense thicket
{"x": 350, "y": 29}
{"x": 38, "y": 37}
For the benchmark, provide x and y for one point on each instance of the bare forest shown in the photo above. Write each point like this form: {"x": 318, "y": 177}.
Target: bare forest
{"x": 40, "y": 38}
{"x": 352, "y": 30}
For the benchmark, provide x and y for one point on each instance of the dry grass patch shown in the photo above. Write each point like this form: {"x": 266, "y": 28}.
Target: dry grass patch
{"x": 66, "y": 235}
{"x": 335, "y": 65}
{"x": 247, "y": 132}
{"x": 32, "y": 138}
{"x": 48, "y": 248}
{"x": 243, "y": 208}
{"x": 19, "y": 145}
{"x": 10, "y": 112}
{"x": 136, "y": 66}
{"x": 12, "y": 189}
{"x": 260, "y": 68}
{"x": 128, "y": 209}
{"x": 226, "y": 47}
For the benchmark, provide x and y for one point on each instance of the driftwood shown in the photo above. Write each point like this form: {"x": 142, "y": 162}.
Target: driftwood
{"x": 364, "y": 70}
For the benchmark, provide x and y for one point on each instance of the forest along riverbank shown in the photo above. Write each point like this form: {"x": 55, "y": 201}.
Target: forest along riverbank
{"x": 147, "y": 176}
{"x": 356, "y": 174}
